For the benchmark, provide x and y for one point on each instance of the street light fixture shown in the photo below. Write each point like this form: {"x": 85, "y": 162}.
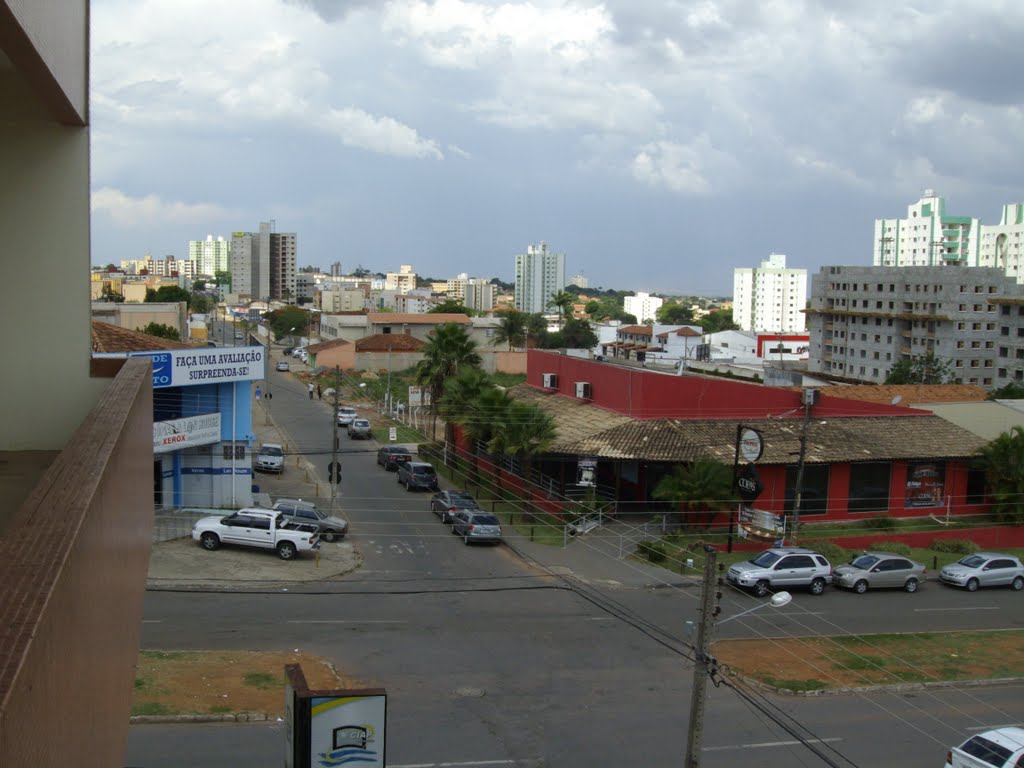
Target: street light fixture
{"x": 778, "y": 600}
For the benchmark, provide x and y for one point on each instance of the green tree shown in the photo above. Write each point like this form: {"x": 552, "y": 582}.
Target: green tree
{"x": 1012, "y": 391}
{"x": 163, "y": 331}
{"x": 168, "y": 293}
{"x": 702, "y": 487}
{"x": 460, "y": 395}
{"x": 522, "y": 430}
{"x": 287, "y": 321}
{"x": 922, "y": 369}
{"x": 577, "y": 334}
{"x": 592, "y": 308}
{"x": 718, "y": 321}
{"x": 200, "y": 303}
{"x": 223, "y": 280}
{"x": 1003, "y": 462}
{"x": 199, "y": 285}
{"x": 562, "y": 301}
{"x": 512, "y": 330}
{"x": 448, "y": 350}
{"x": 451, "y": 307}
{"x": 674, "y": 314}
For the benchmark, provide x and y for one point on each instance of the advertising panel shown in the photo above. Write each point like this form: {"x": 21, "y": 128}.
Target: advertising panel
{"x": 586, "y": 472}
{"x": 348, "y": 729}
{"x": 925, "y": 484}
{"x": 186, "y": 433}
{"x": 206, "y": 365}
{"x": 761, "y": 525}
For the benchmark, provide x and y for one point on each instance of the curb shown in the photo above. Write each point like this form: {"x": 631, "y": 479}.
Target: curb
{"x": 898, "y": 688}
{"x": 238, "y": 717}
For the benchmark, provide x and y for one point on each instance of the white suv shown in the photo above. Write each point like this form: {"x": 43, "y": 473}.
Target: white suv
{"x": 782, "y": 568}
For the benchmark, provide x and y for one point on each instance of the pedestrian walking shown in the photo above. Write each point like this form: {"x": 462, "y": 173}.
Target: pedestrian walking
{"x": 258, "y": 393}
{"x": 319, "y": 393}
{"x": 311, "y": 390}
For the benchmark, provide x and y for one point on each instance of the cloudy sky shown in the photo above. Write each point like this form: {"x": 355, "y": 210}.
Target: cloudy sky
{"x": 657, "y": 143}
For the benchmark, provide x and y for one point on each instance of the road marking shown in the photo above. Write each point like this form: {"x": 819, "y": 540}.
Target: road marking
{"x": 344, "y": 621}
{"x": 968, "y": 608}
{"x": 152, "y": 621}
{"x": 994, "y": 727}
{"x": 771, "y": 744}
{"x": 455, "y": 765}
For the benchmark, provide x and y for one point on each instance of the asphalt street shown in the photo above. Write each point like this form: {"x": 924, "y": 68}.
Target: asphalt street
{"x": 491, "y": 658}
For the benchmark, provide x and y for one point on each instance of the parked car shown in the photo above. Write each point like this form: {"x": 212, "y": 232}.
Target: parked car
{"x": 346, "y": 413}
{"x": 782, "y": 568}
{"x": 360, "y": 428}
{"x": 879, "y": 569}
{"x": 331, "y": 527}
{"x": 999, "y": 748}
{"x": 446, "y": 503}
{"x": 282, "y": 365}
{"x": 392, "y": 456}
{"x": 416, "y": 475}
{"x": 253, "y": 527}
{"x": 270, "y": 458}
{"x": 984, "y": 569}
{"x": 476, "y": 525}
{"x": 239, "y": 335}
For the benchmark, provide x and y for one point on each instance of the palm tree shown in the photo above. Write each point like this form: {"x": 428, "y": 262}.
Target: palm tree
{"x": 460, "y": 395}
{"x": 562, "y": 301}
{"x": 523, "y": 430}
{"x": 512, "y": 330}
{"x": 448, "y": 350}
{"x": 1003, "y": 461}
{"x": 703, "y": 486}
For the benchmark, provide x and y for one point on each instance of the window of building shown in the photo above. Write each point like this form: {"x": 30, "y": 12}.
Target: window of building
{"x": 869, "y": 486}
{"x": 814, "y": 497}
{"x": 975, "y": 486}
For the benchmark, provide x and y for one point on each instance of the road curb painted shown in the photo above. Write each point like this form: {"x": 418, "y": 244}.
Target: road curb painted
{"x": 898, "y": 688}
{"x": 237, "y": 717}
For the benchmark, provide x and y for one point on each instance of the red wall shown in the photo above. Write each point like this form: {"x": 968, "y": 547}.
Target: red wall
{"x": 647, "y": 395}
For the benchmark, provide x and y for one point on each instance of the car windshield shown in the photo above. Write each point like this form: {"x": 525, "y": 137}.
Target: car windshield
{"x": 766, "y": 559}
{"x": 463, "y": 498}
{"x": 864, "y": 562}
{"x": 973, "y": 561}
{"x": 346, "y": 410}
{"x": 271, "y": 451}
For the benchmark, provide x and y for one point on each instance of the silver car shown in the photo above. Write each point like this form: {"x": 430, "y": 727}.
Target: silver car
{"x": 476, "y": 525}
{"x": 331, "y": 527}
{"x": 782, "y": 568}
{"x": 984, "y": 569}
{"x": 879, "y": 570}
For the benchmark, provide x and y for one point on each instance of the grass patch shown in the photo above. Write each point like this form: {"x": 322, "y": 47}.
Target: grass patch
{"x": 796, "y": 685}
{"x": 263, "y": 680}
{"x": 151, "y": 708}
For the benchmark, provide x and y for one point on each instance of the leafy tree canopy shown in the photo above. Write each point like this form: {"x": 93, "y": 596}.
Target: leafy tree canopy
{"x": 922, "y": 369}
{"x": 222, "y": 279}
{"x": 167, "y": 293}
{"x": 163, "y": 331}
{"x": 452, "y": 307}
{"x": 287, "y": 321}
{"x": 1012, "y": 391}
{"x": 718, "y": 321}
{"x": 1003, "y": 461}
{"x": 674, "y": 314}
{"x": 199, "y": 285}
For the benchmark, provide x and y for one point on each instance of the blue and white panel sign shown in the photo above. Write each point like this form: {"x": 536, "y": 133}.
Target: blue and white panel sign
{"x": 348, "y": 730}
{"x": 206, "y": 365}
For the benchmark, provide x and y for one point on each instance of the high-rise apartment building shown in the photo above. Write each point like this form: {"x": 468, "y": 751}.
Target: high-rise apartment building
{"x": 540, "y": 274}
{"x": 580, "y": 281}
{"x": 211, "y": 256}
{"x": 478, "y": 294}
{"x": 403, "y": 281}
{"x": 642, "y": 306}
{"x": 770, "y": 297}
{"x": 263, "y": 263}
{"x": 863, "y": 320}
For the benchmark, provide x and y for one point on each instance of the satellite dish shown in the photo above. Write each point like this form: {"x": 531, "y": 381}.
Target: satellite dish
{"x": 896, "y": 400}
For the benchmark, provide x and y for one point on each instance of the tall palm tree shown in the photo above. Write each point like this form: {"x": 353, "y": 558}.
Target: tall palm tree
{"x": 523, "y": 430}
{"x": 459, "y": 397}
{"x": 562, "y": 301}
{"x": 512, "y": 330}
{"x": 448, "y": 350}
{"x": 1003, "y": 462}
{"x": 705, "y": 485}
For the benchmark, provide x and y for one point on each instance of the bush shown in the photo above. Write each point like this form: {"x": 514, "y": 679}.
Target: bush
{"x": 832, "y": 551}
{"x": 956, "y": 546}
{"x": 652, "y": 550}
{"x": 896, "y": 547}
{"x": 880, "y": 523}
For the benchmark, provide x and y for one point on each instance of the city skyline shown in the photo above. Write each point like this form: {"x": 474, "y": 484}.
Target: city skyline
{"x": 652, "y": 147}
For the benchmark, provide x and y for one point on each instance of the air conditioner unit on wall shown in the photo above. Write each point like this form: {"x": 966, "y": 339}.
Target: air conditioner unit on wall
{"x": 583, "y": 389}
{"x": 550, "y": 380}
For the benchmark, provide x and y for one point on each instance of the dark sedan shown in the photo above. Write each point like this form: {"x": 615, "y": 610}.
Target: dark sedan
{"x": 447, "y": 503}
{"x": 390, "y": 456}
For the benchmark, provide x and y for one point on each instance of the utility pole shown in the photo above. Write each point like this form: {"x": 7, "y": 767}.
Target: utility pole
{"x": 702, "y": 666}
{"x": 809, "y": 398}
{"x": 334, "y": 473}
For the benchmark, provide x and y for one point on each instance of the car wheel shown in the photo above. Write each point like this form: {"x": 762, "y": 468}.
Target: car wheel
{"x": 210, "y": 541}
{"x": 328, "y": 536}
{"x": 408, "y": 486}
{"x": 911, "y": 585}
{"x": 817, "y": 586}
{"x": 465, "y": 540}
{"x": 860, "y": 587}
{"x": 1018, "y": 583}
{"x": 286, "y": 550}
{"x": 761, "y": 588}
{"x": 972, "y": 585}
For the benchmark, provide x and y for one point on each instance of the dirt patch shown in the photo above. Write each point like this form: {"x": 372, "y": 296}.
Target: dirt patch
{"x": 818, "y": 663}
{"x": 223, "y": 682}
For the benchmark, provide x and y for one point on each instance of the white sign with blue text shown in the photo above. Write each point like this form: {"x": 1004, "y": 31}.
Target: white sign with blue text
{"x": 206, "y": 365}
{"x": 348, "y": 729}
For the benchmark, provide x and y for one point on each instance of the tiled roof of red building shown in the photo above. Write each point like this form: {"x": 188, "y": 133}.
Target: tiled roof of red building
{"x": 113, "y": 338}
{"x": 908, "y": 394}
{"x": 414, "y": 318}
{"x": 684, "y": 331}
{"x": 396, "y": 342}
{"x": 636, "y": 330}
{"x": 323, "y": 346}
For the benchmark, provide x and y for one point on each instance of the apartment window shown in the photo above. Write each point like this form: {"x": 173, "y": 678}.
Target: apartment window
{"x": 959, "y": 364}
{"x": 1002, "y": 373}
{"x": 975, "y": 363}
{"x": 960, "y": 345}
{"x": 1005, "y": 351}
{"x": 975, "y": 345}
{"x": 975, "y": 326}
{"x": 990, "y": 326}
{"x": 988, "y": 363}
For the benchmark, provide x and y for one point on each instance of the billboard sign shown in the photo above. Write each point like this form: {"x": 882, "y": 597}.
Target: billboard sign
{"x": 925, "y": 484}
{"x": 206, "y": 365}
{"x": 761, "y": 525}
{"x": 586, "y": 470}
{"x": 186, "y": 433}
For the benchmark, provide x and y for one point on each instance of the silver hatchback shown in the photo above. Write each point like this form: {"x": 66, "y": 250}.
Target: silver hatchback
{"x": 475, "y": 525}
{"x": 984, "y": 569}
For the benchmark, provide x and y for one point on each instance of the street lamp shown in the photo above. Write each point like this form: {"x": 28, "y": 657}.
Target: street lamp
{"x": 778, "y": 600}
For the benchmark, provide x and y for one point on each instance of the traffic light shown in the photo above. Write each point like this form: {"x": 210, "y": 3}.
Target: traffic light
{"x": 334, "y": 472}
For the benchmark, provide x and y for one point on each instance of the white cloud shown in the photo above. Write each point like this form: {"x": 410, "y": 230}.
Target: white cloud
{"x": 682, "y": 168}
{"x": 356, "y": 128}
{"x": 142, "y": 212}
{"x": 924, "y": 109}
{"x": 459, "y": 152}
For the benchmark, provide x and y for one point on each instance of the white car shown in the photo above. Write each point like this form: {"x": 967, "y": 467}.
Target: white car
{"x": 999, "y": 748}
{"x": 346, "y": 414}
{"x": 270, "y": 458}
{"x": 984, "y": 569}
{"x": 282, "y": 365}
{"x": 254, "y": 527}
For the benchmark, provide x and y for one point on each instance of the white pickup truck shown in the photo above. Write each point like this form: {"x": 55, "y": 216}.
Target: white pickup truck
{"x": 252, "y": 527}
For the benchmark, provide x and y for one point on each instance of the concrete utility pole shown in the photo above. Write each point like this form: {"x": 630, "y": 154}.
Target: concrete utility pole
{"x": 809, "y": 397}
{"x": 702, "y": 663}
{"x": 335, "y": 466}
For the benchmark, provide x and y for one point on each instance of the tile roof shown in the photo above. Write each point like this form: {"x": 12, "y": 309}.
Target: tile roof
{"x": 414, "y": 318}
{"x": 636, "y": 330}
{"x": 323, "y": 346}
{"x": 396, "y": 342}
{"x": 113, "y": 338}
{"x": 585, "y": 430}
{"x": 909, "y": 394}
